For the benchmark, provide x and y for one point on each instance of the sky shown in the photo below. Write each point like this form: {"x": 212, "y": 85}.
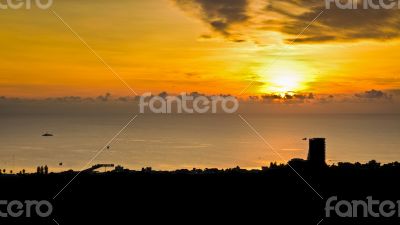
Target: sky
{"x": 238, "y": 47}
{"x": 83, "y": 58}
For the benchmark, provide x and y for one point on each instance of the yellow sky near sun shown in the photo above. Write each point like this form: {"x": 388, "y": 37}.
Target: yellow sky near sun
{"x": 155, "y": 46}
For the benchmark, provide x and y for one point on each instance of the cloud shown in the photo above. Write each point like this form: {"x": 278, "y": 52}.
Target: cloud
{"x": 286, "y": 98}
{"x": 290, "y": 98}
{"x": 374, "y": 94}
{"x": 336, "y": 24}
{"x": 237, "y": 21}
{"x": 220, "y": 15}
{"x": 66, "y": 99}
{"x": 163, "y": 94}
{"x": 104, "y": 98}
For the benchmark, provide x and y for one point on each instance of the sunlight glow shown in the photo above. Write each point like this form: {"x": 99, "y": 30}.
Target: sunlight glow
{"x": 285, "y": 77}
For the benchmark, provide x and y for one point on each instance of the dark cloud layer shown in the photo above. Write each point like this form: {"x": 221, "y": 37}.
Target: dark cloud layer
{"x": 340, "y": 24}
{"x": 232, "y": 17}
{"x": 290, "y": 97}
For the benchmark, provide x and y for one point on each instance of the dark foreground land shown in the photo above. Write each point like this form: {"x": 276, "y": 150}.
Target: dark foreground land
{"x": 275, "y": 195}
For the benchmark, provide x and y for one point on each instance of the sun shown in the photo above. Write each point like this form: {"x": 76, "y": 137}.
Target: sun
{"x": 285, "y": 80}
{"x": 285, "y": 77}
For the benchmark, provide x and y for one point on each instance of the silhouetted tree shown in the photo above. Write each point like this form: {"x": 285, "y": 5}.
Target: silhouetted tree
{"x": 373, "y": 164}
{"x": 38, "y": 170}
{"x": 119, "y": 169}
{"x": 46, "y": 169}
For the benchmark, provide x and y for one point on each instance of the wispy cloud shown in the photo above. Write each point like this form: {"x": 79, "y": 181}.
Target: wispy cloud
{"x": 220, "y": 15}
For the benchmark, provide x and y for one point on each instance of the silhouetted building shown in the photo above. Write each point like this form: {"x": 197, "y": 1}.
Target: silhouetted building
{"x": 316, "y": 151}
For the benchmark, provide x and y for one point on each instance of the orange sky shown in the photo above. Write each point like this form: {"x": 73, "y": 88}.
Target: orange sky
{"x": 182, "y": 45}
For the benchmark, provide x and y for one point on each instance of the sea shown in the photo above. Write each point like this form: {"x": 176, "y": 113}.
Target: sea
{"x": 170, "y": 142}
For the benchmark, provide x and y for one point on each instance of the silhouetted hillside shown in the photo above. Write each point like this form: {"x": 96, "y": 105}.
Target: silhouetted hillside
{"x": 275, "y": 193}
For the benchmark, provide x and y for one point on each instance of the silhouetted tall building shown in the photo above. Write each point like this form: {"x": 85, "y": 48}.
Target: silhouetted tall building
{"x": 316, "y": 151}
